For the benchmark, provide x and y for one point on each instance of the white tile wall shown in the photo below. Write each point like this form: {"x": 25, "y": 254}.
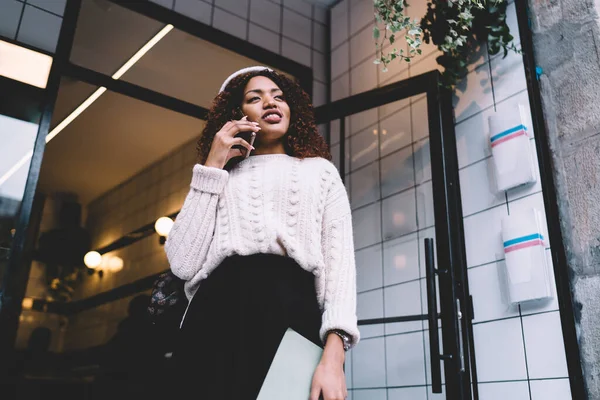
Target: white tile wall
{"x": 504, "y": 336}
{"x": 500, "y": 351}
{"x": 295, "y": 29}
{"x": 543, "y": 339}
{"x": 550, "y": 389}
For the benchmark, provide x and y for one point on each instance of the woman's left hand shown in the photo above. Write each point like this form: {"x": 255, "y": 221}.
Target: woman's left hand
{"x": 328, "y": 379}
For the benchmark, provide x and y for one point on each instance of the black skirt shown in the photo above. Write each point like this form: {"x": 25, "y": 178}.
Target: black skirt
{"x": 236, "y": 321}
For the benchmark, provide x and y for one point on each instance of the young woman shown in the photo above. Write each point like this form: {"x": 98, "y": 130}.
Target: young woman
{"x": 264, "y": 242}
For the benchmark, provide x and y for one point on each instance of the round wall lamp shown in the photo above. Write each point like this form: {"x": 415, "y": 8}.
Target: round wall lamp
{"x": 114, "y": 264}
{"x": 92, "y": 259}
{"x": 163, "y": 226}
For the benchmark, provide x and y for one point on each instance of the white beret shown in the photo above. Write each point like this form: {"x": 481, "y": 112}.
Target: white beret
{"x": 242, "y": 71}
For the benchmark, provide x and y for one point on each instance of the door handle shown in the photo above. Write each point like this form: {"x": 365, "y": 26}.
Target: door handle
{"x": 434, "y": 338}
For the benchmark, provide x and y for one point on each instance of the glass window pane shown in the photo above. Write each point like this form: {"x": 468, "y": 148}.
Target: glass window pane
{"x": 17, "y": 138}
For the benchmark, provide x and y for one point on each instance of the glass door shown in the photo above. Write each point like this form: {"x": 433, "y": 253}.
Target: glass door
{"x": 410, "y": 280}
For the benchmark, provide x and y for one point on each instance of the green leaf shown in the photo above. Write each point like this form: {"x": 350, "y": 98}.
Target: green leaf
{"x": 376, "y": 32}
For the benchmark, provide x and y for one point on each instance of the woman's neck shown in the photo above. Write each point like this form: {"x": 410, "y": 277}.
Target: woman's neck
{"x": 269, "y": 148}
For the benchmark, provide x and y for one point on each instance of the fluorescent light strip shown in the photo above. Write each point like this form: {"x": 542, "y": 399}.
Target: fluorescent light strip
{"x": 90, "y": 100}
{"x": 140, "y": 53}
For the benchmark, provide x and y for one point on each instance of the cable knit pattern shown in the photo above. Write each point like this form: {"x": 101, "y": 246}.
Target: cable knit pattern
{"x": 273, "y": 204}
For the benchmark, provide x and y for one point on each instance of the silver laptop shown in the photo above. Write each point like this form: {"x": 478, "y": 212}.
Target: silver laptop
{"x": 291, "y": 372}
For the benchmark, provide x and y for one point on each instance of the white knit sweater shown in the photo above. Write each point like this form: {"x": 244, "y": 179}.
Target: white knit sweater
{"x": 273, "y": 204}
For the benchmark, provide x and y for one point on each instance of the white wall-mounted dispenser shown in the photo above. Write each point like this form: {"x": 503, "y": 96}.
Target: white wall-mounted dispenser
{"x": 514, "y": 164}
{"x": 527, "y": 274}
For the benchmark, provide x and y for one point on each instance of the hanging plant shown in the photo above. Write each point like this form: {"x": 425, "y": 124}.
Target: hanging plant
{"x": 456, "y": 27}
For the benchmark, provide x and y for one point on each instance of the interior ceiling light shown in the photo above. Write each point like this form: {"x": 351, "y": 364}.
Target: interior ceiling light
{"x": 93, "y": 97}
{"x": 24, "y": 65}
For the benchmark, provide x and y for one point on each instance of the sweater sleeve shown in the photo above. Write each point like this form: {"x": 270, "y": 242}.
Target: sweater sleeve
{"x": 340, "y": 268}
{"x": 191, "y": 235}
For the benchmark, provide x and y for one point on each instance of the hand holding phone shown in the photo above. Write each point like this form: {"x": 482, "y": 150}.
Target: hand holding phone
{"x": 248, "y": 136}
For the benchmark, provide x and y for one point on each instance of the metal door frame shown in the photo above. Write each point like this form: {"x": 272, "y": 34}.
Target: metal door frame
{"x": 452, "y": 272}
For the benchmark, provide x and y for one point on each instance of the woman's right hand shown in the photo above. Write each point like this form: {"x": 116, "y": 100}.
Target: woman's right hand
{"x": 221, "y": 148}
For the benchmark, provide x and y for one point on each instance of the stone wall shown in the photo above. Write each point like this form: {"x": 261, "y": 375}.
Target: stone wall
{"x": 566, "y": 38}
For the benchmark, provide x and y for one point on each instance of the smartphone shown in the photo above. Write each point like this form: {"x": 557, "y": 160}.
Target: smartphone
{"x": 248, "y": 136}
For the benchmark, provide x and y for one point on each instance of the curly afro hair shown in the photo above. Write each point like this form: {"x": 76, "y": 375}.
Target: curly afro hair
{"x": 302, "y": 139}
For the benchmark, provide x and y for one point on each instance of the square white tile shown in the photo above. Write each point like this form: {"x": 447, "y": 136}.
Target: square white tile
{"x": 369, "y": 274}
{"x": 396, "y": 131}
{"x": 266, "y": 14}
{"x": 363, "y": 77}
{"x": 340, "y": 61}
{"x": 339, "y": 24}
{"x": 554, "y": 389}
{"x": 414, "y": 393}
{"x": 229, "y": 23}
{"x": 405, "y": 359}
{"x": 416, "y": 9}
{"x": 334, "y": 131}
{"x": 299, "y": 6}
{"x": 487, "y": 289}
{"x": 371, "y": 331}
{"x": 391, "y": 108}
{"x": 366, "y": 224}
{"x": 295, "y": 51}
{"x": 483, "y": 236}
{"x": 54, "y": 6}
{"x": 397, "y": 172}
{"x": 361, "y": 15}
{"x": 237, "y": 7}
{"x": 401, "y": 260}
{"x": 368, "y": 364}
{"x": 370, "y": 394}
{"x": 362, "y": 120}
{"x": 369, "y": 304}
{"x": 422, "y": 155}
{"x": 473, "y": 94}
{"x": 364, "y": 147}
{"x": 319, "y": 93}
{"x": 362, "y": 46}
{"x": 500, "y": 351}
{"x": 399, "y": 215}
{"x": 425, "y": 213}
{"x": 263, "y": 38}
{"x": 320, "y": 14}
{"x": 472, "y": 139}
{"x": 365, "y": 185}
{"x": 297, "y": 27}
{"x": 504, "y": 390}
{"x": 478, "y": 188}
{"x": 39, "y": 29}
{"x": 319, "y": 67}
{"x": 508, "y": 75}
{"x": 420, "y": 121}
{"x": 401, "y": 301}
{"x": 424, "y": 63}
{"x": 545, "y": 346}
{"x": 340, "y": 87}
{"x": 513, "y": 23}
